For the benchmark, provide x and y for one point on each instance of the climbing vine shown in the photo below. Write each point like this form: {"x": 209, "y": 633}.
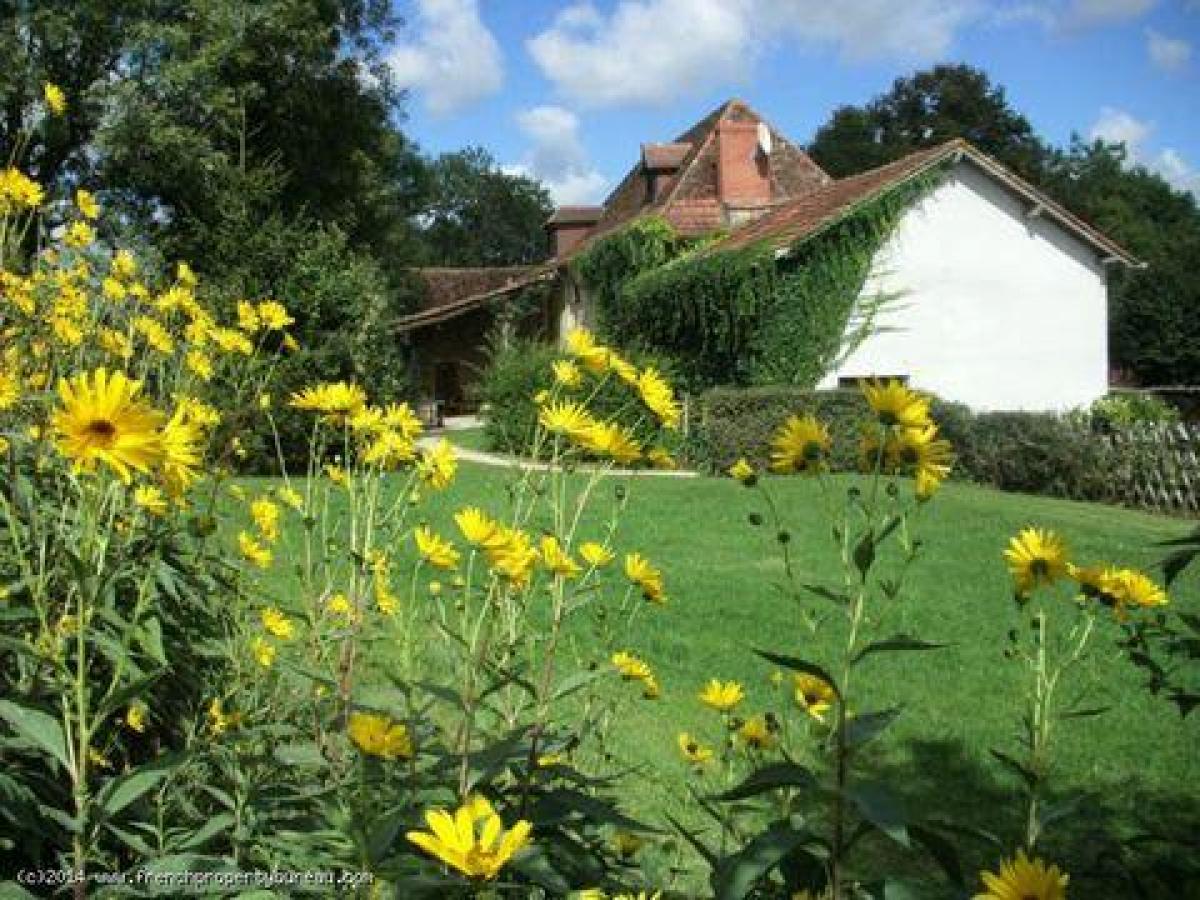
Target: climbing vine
{"x": 747, "y": 315}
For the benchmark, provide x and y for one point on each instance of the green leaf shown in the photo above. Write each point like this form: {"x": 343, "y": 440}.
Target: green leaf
{"x": 941, "y": 849}
{"x": 560, "y": 804}
{"x": 40, "y": 728}
{"x": 767, "y": 778}
{"x": 736, "y": 875}
{"x": 1023, "y": 771}
{"x": 826, "y": 593}
{"x": 1085, "y": 713}
{"x": 576, "y": 682}
{"x": 868, "y": 726}
{"x": 800, "y": 665}
{"x": 308, "y": 754}
{"x": 697, "y": 845}
{"x": 536, "y": 865}
{"x": 879, "y": 806}
{"x": 896, "y": 642}
{"x": 210, "y": 829}
{"x": 118, "y": 793}
{"x": 864, "y": 553}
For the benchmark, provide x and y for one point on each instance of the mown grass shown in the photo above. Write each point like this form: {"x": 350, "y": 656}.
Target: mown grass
{"x": 1137, "y": 760}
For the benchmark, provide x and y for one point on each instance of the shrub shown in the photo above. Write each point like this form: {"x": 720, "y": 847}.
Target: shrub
{"x": 1119, "y": 410}
{"x": 1039, "y": 453}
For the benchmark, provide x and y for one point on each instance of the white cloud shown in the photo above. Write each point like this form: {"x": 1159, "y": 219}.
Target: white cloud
{"x": 1168, "y": 54}
{"x": 1118, "y": 126}
{"x": 454, "y": 61}
{"x": 557, "y": 157}
{"x": 653, "y": 51}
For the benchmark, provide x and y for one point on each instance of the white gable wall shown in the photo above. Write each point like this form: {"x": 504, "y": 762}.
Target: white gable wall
{"x": 996, "y": 309}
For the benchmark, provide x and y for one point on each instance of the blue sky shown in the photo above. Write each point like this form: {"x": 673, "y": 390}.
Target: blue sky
{"x": 568, "y": 91}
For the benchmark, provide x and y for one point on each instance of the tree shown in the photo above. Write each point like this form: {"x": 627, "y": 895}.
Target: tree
{"x": 925, "y": 109}
{"x": 1153, "y": 326}
{"x": 479, "y": 215}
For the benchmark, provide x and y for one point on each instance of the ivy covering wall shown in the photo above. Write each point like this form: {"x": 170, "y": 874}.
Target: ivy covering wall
{"x": 746, "y": 315}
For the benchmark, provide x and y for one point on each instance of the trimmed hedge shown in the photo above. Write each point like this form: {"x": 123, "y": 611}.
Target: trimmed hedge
{"x": 1038, "y": 453}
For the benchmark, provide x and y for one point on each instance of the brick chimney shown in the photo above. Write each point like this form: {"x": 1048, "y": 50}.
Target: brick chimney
{"x": 743, "y": 170}
{"x": 570, "y": 224}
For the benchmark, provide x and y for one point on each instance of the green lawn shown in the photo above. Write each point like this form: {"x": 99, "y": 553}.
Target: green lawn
{"x": 1139, "y": 758}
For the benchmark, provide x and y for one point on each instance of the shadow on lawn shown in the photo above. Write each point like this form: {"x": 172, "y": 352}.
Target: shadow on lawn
{"x": 1130, "y": 842}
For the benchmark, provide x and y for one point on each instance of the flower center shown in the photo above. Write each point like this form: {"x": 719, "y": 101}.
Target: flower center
{"x": 102, "y": 431}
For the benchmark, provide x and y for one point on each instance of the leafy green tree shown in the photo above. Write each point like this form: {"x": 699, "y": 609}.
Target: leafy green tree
{"x": 924, "y": 109}
{"x": 1153, "y": 325}
{"x": 480, "y": 215}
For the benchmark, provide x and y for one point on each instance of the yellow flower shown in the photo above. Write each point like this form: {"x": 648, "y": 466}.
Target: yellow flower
{"x": 291, "y": 497}
{"x": 56, "y": 100}
{"x": 155, "y": 333}
{"x": 612, "y": 440}
{"x": 79, "y": 235}
{"x": 185, "y": 276}
{"x": 475, "y": 525}
{"x": 196, "y": 412}
{"x": 657, "y": 394}
{"x": 339, "y": 604}
{"x": 253, "y": 551}
{"x": 631, "y": 667}
{"x": 337, "y": 400}
{"x": 567, "y": 373}
{"x": 569, "y": 419}
{"x": 386, "y": 601}
{"x": 1136, "y": 589}
{"x": 336, "y": 473}
{"x": 123, "y": 266}
{"x": 266, "y": 516}
{"x": 928, "y": 456}
{"x": 722, "y": 695}
{"x": 389, "y": 450}
{"x": 582, "y": 345}
{"x": 895, "y": 405}
{"x": 558, "y": 560}
{"x": 401, "y": 418}
{"x": 595, "y": 554}
{"x": 742, "y": 471}
{"x": 1036, "y": 556}
{"x": 453, "y": 839}
{"x": 511, "y": 554}
{"x": 274, "y": 621}
{"x": 438, "y": 551}
{"x": 10, "y": 387}
{"x": 624, "y": 369}
{"x": 1095, "y": 582}
{"x": 263, "y": 651}
{"x": 150, "y": 499}
{"x": 1021, "y": 878}
{"x": 220, "y": 721}
{"x": 693, "y": 751}
{"x": 813, "y": 694}
{"x": 646, "y": 577}
{"x": 86, "y": 203}
{"x": 199, "y": 364}
{"x": 800, "y": 445}
{"x": 18, "y": 191}
{"x": 101, "y": 418}
{"x": 113, "y": 289}
{"x": 247, "y": 315}
{"x": 437, "y": 466}
{"x": 230, "y": 340}
{"x": 181, "y": 439}
{"x": 380, "y": 736}
{"x": 273, "y": 315}
{"x": 756, "y": 732}
{"x": 135, "y": 718}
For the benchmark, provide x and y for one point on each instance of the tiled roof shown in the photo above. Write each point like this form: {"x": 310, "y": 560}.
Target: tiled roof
{"x": 444, "y": 286}
{"x": 576, "y": 215}
{"x": 665, "y": 156}
{"x": 810, "y": 214}
{"x": 453, "y": 292}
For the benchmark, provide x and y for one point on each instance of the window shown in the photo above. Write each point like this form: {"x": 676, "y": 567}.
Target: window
{"x": 856, "y": 381}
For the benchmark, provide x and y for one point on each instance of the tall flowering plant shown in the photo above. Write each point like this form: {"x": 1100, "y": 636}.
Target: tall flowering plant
{"x": 108, "y": 576}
